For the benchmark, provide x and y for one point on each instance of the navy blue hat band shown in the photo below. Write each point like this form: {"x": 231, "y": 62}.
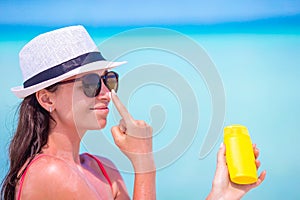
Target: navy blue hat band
{"x": 63, "y": 68}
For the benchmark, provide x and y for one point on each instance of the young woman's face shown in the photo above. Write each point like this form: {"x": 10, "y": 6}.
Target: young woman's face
{"x": 75, "y": 109}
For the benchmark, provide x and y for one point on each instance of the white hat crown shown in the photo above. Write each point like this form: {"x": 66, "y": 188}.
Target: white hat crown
{"x": 53, "y": 48}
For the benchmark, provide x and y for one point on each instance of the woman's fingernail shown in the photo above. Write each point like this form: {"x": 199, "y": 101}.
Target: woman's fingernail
{"x": 113, "y": 92}
{"x": 221, "y": 145}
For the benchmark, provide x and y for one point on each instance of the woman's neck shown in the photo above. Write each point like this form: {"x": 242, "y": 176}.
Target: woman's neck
{"x": 64, "y": 143}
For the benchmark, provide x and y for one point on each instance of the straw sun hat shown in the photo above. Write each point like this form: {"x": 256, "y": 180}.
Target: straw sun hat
{"x": 56, "y": 55}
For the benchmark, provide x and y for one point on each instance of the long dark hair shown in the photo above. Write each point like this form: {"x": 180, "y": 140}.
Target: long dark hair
{"x": 30, "y": 136}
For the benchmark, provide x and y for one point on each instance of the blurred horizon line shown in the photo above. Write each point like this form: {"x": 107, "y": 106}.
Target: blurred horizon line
{"x": 289, "y": 24}
{"x": 291, "y": 19}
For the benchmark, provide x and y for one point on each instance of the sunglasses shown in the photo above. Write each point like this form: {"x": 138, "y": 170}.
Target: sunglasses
{"x": 91, "y": 83}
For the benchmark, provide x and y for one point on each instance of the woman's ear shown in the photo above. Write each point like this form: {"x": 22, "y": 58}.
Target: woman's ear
{"x": 46, "y": 99}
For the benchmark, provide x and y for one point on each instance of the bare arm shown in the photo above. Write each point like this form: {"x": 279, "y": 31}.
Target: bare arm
{"x": 144, "y": 185}
{"x": 134, "y": 138}
{"x": 145, "y": 175}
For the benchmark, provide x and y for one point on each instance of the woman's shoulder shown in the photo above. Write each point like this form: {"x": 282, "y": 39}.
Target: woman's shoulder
{"x": 48, "y": 166}
{"x": 45, "y": 165}
{"x": 48, "y": 175}
{"x": 45, "y": 170}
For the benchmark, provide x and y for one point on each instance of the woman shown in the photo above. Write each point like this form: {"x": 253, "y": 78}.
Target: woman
{"x": 67, "y": 88}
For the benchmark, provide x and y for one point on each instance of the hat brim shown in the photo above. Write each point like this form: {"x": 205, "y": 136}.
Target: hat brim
{"x": 22, "y": 92}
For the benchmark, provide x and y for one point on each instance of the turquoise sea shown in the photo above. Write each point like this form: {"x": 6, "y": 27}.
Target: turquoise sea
{"x": 258, "y": 68}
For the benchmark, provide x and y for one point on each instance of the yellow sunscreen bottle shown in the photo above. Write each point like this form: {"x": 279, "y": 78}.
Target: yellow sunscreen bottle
{"x": 239, "y": 155}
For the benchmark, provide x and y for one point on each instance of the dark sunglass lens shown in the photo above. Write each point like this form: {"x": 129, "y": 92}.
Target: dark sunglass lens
{"x": 111, "y": 81}
{"x": 91, "y": 84}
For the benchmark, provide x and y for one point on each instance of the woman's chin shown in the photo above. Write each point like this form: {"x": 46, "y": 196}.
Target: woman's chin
{"x": 102, "y": 124}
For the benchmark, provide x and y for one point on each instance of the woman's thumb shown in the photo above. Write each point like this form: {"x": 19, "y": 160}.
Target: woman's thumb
{"x": 117, "y": 134}
{"x": 221, "y": 160}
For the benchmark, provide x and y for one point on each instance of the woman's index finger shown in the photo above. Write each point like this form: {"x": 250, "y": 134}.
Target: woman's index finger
{"x": 120, "y": 107}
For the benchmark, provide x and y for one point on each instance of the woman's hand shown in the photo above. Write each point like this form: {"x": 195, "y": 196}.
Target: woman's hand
{"x": 223, "y": 188}
{"x": 134, "y": 138}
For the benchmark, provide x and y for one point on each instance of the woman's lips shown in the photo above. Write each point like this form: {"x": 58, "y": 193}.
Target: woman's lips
{"x": 100, "y": 109}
